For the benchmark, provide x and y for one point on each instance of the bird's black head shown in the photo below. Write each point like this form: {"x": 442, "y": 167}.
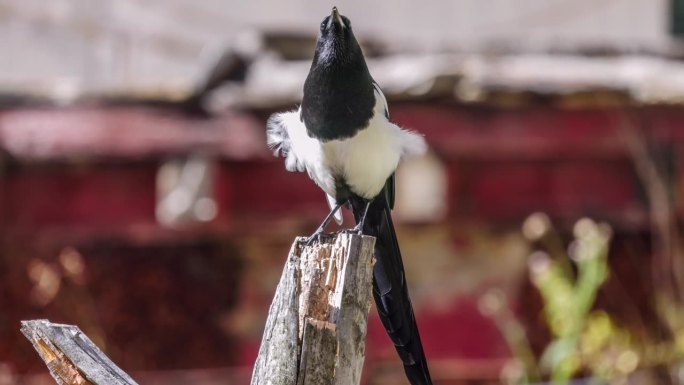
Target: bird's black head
{"x": 336, "y": 42}
{"x": 338, "y": 92}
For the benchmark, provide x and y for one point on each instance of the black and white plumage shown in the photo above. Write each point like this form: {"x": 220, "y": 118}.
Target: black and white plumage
{"x": 341, "y": 135}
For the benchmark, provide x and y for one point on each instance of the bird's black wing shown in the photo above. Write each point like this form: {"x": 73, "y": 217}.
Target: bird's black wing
{"x": 389, "y": 282}
{"x": 388, "y": 190}
{"x": 382, "y": 96}
{"x": 389, "y": 286}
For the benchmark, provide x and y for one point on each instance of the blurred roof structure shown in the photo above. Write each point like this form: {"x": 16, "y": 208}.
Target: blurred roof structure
{"x": 68, "y": 49}
{"x": 510, "y": 79}
{"x": 471, "y": 78}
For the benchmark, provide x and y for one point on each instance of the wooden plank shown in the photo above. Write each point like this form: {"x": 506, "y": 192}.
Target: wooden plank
{"x": 71, "y": 357}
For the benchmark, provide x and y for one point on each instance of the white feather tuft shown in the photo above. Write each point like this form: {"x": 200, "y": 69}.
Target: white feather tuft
{"x": 287, "y": 135}
{"x": 412, "y": 144}
{"x": 279, "y": 138}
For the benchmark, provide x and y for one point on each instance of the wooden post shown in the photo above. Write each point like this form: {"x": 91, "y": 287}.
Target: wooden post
{"x": 71, "y": 357}
{"x": 316, "y": 327}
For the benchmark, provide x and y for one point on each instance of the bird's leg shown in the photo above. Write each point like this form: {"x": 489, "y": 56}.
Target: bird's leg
{"x": 319, "y": 231}
{"x": 359, "y": 226}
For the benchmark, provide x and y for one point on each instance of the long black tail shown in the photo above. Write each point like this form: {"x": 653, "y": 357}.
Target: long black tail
{"x": 390, "y": 291}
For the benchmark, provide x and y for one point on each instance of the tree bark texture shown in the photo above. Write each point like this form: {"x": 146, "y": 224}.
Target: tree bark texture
{"x": 316, "y": 327}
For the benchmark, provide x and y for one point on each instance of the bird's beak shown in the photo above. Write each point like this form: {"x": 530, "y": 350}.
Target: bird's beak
{"x": 335, "y": 18}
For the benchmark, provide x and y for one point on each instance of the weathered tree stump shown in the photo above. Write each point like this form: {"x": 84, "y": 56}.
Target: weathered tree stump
{"x": 316, "y": 328}
{"x": 71, "y": 357}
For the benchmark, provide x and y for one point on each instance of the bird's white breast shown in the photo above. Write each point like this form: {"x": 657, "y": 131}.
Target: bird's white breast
{"x": 366, "y": 160}
{"x": 363, "y": 162}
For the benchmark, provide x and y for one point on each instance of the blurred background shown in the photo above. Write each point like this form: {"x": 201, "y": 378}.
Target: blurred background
{"x": 540, "y": 234}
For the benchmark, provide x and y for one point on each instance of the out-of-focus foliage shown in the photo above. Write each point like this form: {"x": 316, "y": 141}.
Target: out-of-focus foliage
{"x": 583, "y": 341}
{"x": 580, "y": 335}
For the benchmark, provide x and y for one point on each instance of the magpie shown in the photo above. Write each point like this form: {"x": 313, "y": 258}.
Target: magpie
{"x": 342, "y": 137}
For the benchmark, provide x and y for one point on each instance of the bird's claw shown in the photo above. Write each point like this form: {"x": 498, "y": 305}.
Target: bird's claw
{"x": 356, "y": 230}
{"x": 316, "y": 237}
